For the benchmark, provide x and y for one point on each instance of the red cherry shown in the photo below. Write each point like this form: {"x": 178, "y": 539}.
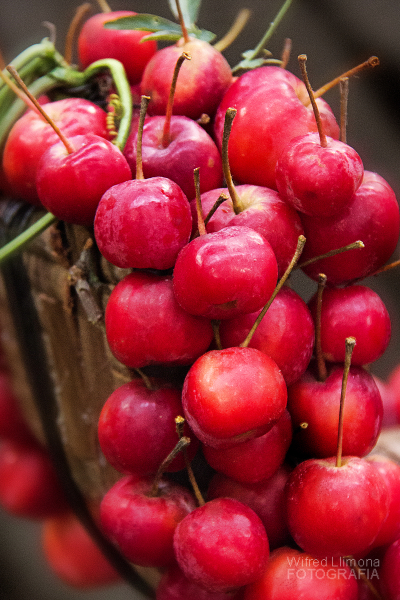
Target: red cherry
{"x": 145, "y": 325}
{"x": 318, "y": 180}
{"x": 220, "y": 275}
{"x": 71, "y": 185}
{"x": 201, "y": 84}
{"x": 355, "y": 311}
{"x": 233, "y": 395}
{"x": 73, "y": 555}
{"x": 221, "y": 545}
{"x": 143, "y": 525}
{"x": 143, "y": 223}
{"x": 335, "y": 498}
{"x": 96, "y": 42}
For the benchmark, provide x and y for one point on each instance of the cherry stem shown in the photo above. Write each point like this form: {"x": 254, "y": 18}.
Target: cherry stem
{"x": 52, "y": 30}
{"x": 373, "y": 61}
{"x": 182, "y": 22}
{"x": 229, "y": 116}
{"x": 215, "y": 325}
{"x": 322, "y": 137}
{"x": 181, "y": 444}
{"x": 237, "y": 27}
{"x": 143, "y": 110}
{"x": 146, "y": 380}
{"x": 352, "y": 563}
{"x": 344, "y": 97}
{"x": 350, "y": 343}
{"x": 353, "y": 246}
{"x": 32, "y": 98}
{"x": 222, "y": 198}
{"x": 322, "y": 372}
{"x": 300, "y": 245}
{"x": 179, "y": 421}
{"x": 286, "y": 52}
{"x": 167, "y": 123}
{"x": 392, "y": 265}
{"x": 73, "y": 28}
{"x": 104, "y": 6}
{"x": 200, "y": 221}
{"x": 16, "y": 90}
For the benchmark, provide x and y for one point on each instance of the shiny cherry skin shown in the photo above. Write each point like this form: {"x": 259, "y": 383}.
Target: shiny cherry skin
{"x": 221, "y": 545}
{"x": 233, "y": 395}
{"x": 96, "y": 42}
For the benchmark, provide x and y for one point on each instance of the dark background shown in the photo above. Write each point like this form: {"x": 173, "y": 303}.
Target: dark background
{"x": 335, "y": 36}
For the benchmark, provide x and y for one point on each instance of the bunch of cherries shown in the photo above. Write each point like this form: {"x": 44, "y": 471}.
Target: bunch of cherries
{"x": 225, "y": 355}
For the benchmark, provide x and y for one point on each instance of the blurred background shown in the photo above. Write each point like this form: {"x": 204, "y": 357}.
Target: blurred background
{"x": 335, "y": 36}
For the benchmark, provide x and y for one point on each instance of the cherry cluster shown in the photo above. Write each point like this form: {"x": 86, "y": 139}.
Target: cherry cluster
{"x": 263, "y": 399}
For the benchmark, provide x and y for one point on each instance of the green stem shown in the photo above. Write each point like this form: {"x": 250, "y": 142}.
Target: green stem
{"x": 24, "y": 238}
{"x": 268, "y": 34}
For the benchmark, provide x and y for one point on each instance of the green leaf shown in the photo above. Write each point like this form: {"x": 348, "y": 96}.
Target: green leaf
{"x": 201, "y": 34}
{"x": 248, "y": 64}
{"x": 144, "y": 22}
{"x": 163, "y": 36}
{"x": 190, "y": 11}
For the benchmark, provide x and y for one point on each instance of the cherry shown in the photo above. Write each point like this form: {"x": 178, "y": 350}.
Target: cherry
{"x": 189, "y": 147}
{"x": 254, "y": 460}
{"x": 96, "y": 42}
{"x": 371, "y": 216}
{"x": 272, "y": 109}
{"x": 31, "y": 135}
{"x": 145, "y": 324}
{"x": 389, "y": 581}
{"x": 72, "y": 554}
{"x": 291, "y": 573}
{"x": 202, "y": 83}
{"x": 220, "y": 275}
{"x": 354, "y": 311}
{"x": 318, "y": 175}
{"x": 221, "y": 545}
{"x": 29, "y": 486}
{"x": 316, "y": 403}
{"x": 286, "y": 333}
{"x": 70, "y": 185}
{"x": 349, "y": 519}
{"x": 174, "y": 585}
{"x": 143, "y": 525}
{"x": 137, "y": 427}
{"x": 390, "y": 530}
{"x": 261, "y": 209}
{"x": 233, "y": 395}
{"x": 266, "y": 498}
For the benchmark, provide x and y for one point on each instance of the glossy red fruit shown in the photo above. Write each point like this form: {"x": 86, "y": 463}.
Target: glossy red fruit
{"x": 389, "y": 580}
{"x": 318, "y": 180}
{"x": 31, "y": 135}
{"x": 261, "y": 209}
{"x": 273, "y": 107}
{"x": 96, "y": 42}
{"x": 143, "y": 525}
{"x": 254, "y": 460}
{"x": 174, "y": 585}
{"x": 317, "y": 404}
{"x": 349, "y": 503}
{"x": 390, "y": 471}
{"x": 145, "y": 325}
{"x": 143, "y": 223}
{"x": 73, "y": 555}
{"x": 227, "y": 273}
{"x": 135, "y": 418}
{"x": 221, "y": 545}
{"x": 355, "y": 311}
{"x": 372, "y": 216}
{"x": 291, "y": 574}
{"x": 29, "y": 486}
{"x": 286, "y": 333}
{"x": 233, "y": 395}
{"x": 71, "y": 185}
{"x": 266, "y": 498}
{"x": 189, "y": 147}
{"x": 201, "y": 84}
